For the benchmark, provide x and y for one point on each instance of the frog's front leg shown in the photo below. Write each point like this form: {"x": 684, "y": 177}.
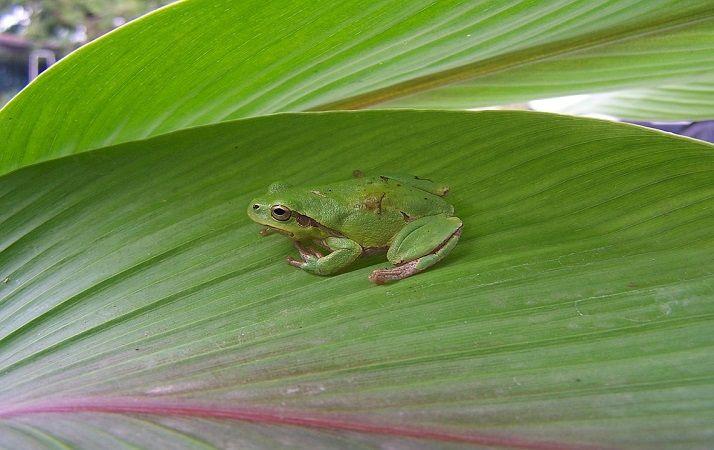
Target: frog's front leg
{"x": 343, "y": 253}
{"x": 419, "y": 245}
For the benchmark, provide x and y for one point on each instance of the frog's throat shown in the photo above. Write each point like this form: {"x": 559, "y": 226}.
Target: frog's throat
{"x": 307, "y": 221}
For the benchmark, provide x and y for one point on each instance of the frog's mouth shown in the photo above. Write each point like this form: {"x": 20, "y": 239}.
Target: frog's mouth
{"x": 268, "y": 230}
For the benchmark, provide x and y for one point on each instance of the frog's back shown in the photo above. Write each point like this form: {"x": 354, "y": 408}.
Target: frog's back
{"x": 371, "y": 210}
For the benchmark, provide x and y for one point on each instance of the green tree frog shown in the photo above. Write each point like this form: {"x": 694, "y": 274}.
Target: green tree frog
{"x": 334, "y": 224}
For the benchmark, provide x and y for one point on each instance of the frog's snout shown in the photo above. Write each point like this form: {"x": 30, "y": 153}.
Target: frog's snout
{"x": 256, "y": 204}
{"x": 259, "y": 211}
{"x": 255, "y": 209}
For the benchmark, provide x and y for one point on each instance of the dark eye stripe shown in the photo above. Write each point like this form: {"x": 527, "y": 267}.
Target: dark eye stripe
{"x": 303, "y": 221}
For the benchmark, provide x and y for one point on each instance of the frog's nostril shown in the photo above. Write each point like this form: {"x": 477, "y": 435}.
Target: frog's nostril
{"x": 256, "y": 206}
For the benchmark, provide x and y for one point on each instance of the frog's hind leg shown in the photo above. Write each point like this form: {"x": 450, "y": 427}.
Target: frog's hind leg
{"x": 420, "y": 245}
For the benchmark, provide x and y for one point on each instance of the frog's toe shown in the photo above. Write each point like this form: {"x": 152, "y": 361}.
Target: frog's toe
{"x": 294, "y": 262}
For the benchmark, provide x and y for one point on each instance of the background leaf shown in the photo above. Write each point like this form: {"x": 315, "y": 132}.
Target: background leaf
{"x": 205, "y": 61}
{"x": 138, "y": 306}
{"x": 692, "y": 101}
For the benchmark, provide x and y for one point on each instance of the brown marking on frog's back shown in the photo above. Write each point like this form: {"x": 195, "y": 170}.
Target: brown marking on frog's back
{"x": 372, "y": 202}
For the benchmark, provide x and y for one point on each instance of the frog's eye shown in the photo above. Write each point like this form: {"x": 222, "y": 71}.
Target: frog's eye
{"x": 280, "y": 213}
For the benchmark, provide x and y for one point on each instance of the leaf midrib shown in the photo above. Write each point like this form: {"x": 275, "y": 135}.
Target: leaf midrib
{"x": 279, "y": 417}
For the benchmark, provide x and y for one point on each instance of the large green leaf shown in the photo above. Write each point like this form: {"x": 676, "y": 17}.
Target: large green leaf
{"x": 205, "y": 61}
{"x": 138, "y": 305}
{"x": 692, "y": 101}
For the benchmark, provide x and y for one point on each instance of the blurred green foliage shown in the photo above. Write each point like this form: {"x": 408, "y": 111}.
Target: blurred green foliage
{"x": 69, "y": 23}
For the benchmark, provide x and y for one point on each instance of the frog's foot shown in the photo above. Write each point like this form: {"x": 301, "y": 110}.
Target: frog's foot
{"x": 305, "y": 251}
{"x": 343, "y": 252}
{"x": 420, "y": 245}
{"x": 308, "y": 255}
{"x": 299, "y": 263}
{"x": 382, "y": 276}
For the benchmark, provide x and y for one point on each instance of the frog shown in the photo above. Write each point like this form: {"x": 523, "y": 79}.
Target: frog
{"x": 333, "y": 225}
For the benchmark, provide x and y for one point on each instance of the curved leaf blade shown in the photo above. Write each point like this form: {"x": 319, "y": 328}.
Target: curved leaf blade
{"x": 576, "y": 309}
{"x": 678, "y": 47}
{"x": 200, "y": 62}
